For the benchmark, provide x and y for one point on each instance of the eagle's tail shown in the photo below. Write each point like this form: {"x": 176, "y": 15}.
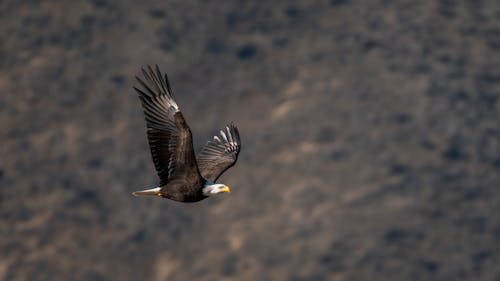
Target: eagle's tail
{"x": 147, "y": 192}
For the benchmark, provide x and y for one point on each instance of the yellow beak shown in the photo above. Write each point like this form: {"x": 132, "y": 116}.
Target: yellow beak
{"x": 225, "y": 189}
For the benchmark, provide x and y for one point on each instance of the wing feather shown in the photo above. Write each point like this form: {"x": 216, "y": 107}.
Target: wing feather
{"x": 169, "y": 136}
{"x": 220, "y": 154}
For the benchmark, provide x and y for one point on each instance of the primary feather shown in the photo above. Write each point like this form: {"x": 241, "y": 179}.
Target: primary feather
{"x": 220, "y": 154}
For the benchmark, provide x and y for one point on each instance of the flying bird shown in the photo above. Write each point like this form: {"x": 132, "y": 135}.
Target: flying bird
{"x": 183, "y": 177}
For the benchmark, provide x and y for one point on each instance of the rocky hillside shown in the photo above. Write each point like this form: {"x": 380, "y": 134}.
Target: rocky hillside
{"x": 370, "y": 129}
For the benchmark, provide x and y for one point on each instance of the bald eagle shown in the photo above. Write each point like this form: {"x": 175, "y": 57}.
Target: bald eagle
{"x": 183, "y": 177}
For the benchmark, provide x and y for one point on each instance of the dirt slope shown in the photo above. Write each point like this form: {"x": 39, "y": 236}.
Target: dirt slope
{"x": 371, "y": 140}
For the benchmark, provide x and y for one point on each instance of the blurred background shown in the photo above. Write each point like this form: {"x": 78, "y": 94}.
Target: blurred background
{"x": 370, "y": 129}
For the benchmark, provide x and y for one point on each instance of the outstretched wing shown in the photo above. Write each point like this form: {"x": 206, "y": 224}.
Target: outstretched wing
{"x": 220, "y": 154}
{"x": 169, "y": 135}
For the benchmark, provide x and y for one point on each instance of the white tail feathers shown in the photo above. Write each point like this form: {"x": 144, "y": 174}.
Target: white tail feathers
{"x": 147, "y": 192}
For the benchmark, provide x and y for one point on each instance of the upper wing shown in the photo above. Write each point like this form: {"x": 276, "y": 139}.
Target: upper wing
{"x": 220, "y": 154}
{"x": 169, "y": 135}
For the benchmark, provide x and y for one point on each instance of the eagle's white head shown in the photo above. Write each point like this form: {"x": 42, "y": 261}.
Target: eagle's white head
{"x": 215, "y": 188}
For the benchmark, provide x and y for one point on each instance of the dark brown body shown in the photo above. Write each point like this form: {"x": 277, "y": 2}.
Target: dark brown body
{"x": 181, "y": 191}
